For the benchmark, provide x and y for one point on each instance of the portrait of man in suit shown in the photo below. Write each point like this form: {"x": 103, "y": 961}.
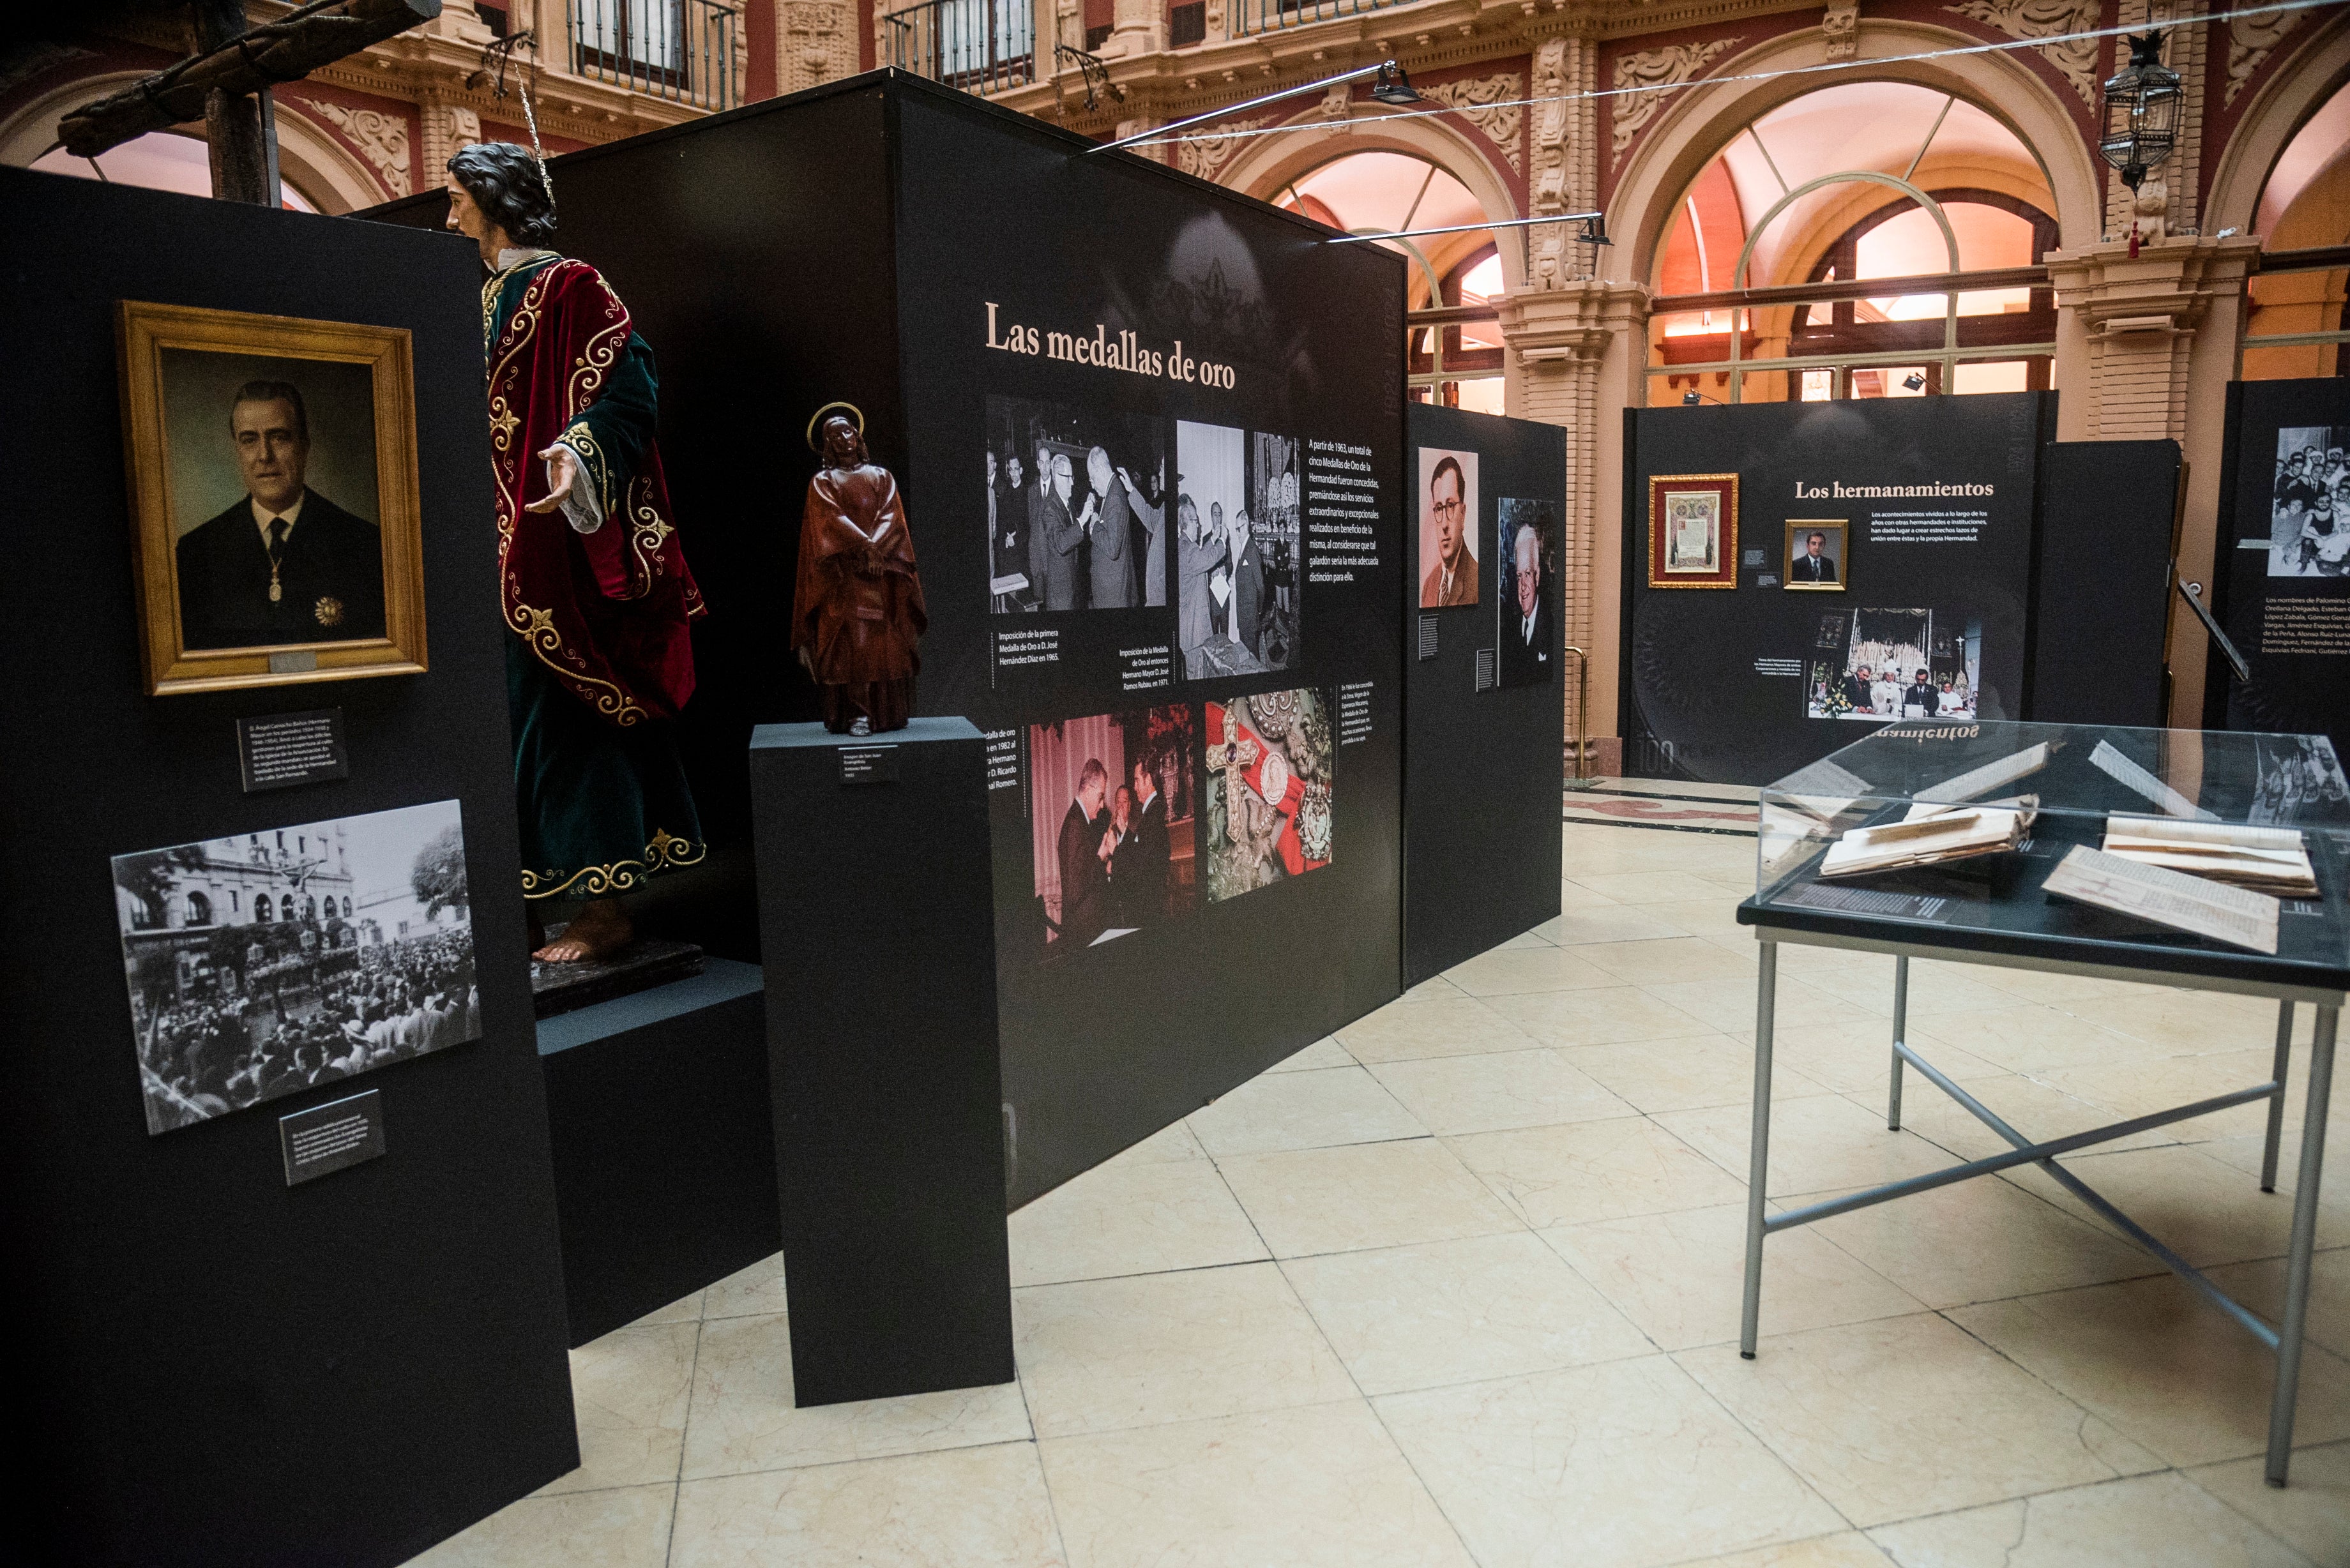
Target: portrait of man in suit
{"x": 283, "y": 563}
{"x": 1138, "y": 865}
{"x": 1448, "y": 528}
{"x": 1086, "y": 843}
{"x": 1815, "y": 554}
{"x": 1529, "y": 612}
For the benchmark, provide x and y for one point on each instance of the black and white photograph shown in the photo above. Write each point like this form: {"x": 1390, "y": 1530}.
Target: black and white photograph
{"x": 1230, "y": 620}
{"x": 1112, "y": 806}
{"x": 2298, "y": 780}
{"x": 1076, "y": 512}
{"x": 1273, "y": 529}
{"x": 2309, "y": 508}
{"x": 1527, "y": 628}
{"x": 1816, "y": 557}
{"x": 1878, "y": 664}
{"x": 1269, "y": 790}
{"x": 261, "y": 964}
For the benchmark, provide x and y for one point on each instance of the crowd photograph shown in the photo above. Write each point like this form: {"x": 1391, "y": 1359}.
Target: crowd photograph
{"x": 1896, "y": 665}
{"x": 1076, "y": 503}
{"x": 1112, "y": 803}
{"x": 267, "y": 963}
{"x": 2309, "y": 507}
{"x": 1236, "y": 551}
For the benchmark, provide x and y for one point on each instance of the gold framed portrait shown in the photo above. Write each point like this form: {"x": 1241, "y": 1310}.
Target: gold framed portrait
{"x": 275, "y": 535}
{"x": 1819, "y": 555}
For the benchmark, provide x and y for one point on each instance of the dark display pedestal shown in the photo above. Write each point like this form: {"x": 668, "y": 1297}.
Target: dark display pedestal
{"x": 879, "y": 937}
{"x": 1103, "y": 1046}
{"x": 664, "y": 1159}
{"x": 643, "y": 965}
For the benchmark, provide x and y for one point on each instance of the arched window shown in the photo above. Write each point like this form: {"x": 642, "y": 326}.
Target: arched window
{"x": 199, "y": 909}
{"x": 347, "y": 907}
{"x": 2305, "y": 207}
{"x": 160, "y": 160}
{"x": 311, "y": 910}
{"x": 261, "y": 909}
{"x": 1781, "y": 232}
{"x": 1454, "y": 352}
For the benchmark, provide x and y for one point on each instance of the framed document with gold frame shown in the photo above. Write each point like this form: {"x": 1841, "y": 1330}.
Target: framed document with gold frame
{"x": 274, "y": 527}
{"x": 1693, "y": 530}
{"x": 1819, "y": 555}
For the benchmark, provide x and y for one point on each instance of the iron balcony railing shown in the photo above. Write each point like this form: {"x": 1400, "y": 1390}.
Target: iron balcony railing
{"x": 682, "y": 50}
{"x": 980, "y": 46}
{"x": 1244, "y": 18}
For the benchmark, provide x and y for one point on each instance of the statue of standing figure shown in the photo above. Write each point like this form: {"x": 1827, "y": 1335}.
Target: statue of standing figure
{"x": 856, "y": 612}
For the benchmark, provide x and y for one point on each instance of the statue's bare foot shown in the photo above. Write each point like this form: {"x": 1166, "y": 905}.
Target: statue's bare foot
{"x": 601, "y": 930}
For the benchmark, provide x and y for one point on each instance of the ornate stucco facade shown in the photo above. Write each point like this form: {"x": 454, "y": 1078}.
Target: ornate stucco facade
{"x": 2143, "y": 345}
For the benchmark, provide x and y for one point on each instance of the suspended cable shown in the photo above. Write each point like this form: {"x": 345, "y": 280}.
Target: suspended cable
{"x": 1157, "y": 138}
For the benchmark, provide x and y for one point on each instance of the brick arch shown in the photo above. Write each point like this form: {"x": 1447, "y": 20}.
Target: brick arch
{"x": 2281, "y": 107}
{"x": 1702, "y": 120}
{"x": 1267, "y": 163}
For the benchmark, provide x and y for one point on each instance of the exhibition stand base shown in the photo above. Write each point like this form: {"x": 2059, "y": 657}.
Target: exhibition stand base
{"x": 879, "y": 929}
{"x": 664, "y": 1157}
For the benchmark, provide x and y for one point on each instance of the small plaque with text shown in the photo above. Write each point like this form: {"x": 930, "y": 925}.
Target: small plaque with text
{"x": 332, "y": 1137}
{"x": 278, "y": 751}
{"x": 869, "y": 765}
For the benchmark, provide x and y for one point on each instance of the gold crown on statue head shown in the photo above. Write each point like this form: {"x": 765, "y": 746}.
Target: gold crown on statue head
{"x": 815, "y": 423}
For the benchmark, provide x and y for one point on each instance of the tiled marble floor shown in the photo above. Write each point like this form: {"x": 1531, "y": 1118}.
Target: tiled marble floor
{"x": 1461, "y": 1286}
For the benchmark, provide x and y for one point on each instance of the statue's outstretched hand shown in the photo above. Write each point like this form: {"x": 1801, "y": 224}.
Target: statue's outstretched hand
{"x": 562, "y": 473}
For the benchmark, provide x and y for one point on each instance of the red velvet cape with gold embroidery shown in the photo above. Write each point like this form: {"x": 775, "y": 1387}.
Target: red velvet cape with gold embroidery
{"x": 606, "y": 612}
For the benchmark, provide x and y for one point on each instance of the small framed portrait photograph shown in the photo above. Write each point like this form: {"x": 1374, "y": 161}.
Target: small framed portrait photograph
{"x": 272, "y": 476}
{"x": 1816, "y": 557}
{"x": 1448, "y": 528}
{"x": 1693, "y": 530}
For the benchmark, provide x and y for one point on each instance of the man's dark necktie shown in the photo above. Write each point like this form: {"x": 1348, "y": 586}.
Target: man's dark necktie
{"x": 277, "y": 555}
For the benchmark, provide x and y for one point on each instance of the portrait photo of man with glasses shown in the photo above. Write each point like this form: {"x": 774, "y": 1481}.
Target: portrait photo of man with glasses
{"x": 1448, "y": 529}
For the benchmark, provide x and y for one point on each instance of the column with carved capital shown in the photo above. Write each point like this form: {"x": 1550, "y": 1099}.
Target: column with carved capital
{"x": 815, "y": 42}
{"x": 2144, "y": 349}
{"x": 1566, "y": 173}
{"x": 1576, "y": 354}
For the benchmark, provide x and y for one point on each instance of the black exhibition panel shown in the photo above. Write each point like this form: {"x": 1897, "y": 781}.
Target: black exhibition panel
{"x": 2109, "y": 512}
{"x": 859, "y": 243}
{"x": 221, "y": 1367}
{"x": 2281, "y": 564}
{"x": 664, "y": 1154}
{"x": 887, "y": 1108}
{"x": 1484, "y": 736}
{"x": 1745, "y": 683}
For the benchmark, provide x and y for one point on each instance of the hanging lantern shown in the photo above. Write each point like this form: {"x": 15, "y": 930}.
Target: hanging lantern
{"x": 2141, "y": 111}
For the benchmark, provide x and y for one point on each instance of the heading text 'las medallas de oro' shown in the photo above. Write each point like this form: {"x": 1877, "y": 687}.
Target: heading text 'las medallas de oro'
{"x": 1123, "y": 352}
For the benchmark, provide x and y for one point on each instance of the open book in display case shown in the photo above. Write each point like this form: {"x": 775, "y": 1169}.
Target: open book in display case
{"x": 2179, "y": 850}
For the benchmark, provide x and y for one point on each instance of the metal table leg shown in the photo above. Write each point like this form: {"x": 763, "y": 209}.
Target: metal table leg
{"x": 2276, "y": 1107}
{"x": 2304, "y": 1240}
{"x": 1900, "y": 1035}
{"x": 1758, "y": 1157}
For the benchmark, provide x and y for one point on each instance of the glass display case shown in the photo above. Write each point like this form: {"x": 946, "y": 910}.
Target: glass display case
{"x": 2198, "y": 860}
{"x": 2084, "y": 844}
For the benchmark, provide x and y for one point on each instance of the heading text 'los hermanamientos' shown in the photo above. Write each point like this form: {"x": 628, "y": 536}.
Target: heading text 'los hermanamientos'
{"x": 1837, "y": 487}
{"x": 1123, "y": 352}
